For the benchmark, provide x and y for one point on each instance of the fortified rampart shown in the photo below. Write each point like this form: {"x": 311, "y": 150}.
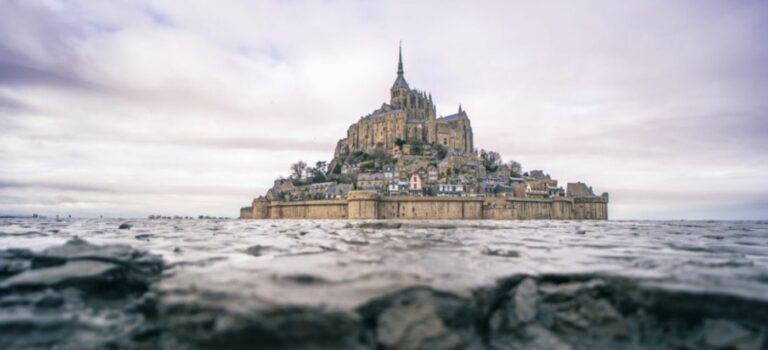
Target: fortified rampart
{"x": 368, "y": 205}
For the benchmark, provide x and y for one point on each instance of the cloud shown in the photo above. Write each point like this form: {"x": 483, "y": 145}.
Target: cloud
{"x": 131, "y": 107}
{"x": 63, "y": 186}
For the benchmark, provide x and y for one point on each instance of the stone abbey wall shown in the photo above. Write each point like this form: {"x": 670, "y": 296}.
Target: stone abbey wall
{"x": 367, "y": 205}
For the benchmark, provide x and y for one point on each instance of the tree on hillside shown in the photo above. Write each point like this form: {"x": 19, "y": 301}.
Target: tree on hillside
{"x": 321, "y": 165}
{"x": 491, "y": 160}
{"x": 515, "y": 168}
{"x": 297, "y": 169}
{"x": 417, "y": 146}
{"x": 317, "y": 174}
{"x": 440, "y": 151}
{"x": 381, "y": 157}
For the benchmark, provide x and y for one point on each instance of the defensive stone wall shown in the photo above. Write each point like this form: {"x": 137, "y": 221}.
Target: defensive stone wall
{"x": 246, "y": 213}
{"x": 322, "y": 209}
{"x": 430, "y": 208}
{"x": 595, "y": 208}
{"x": 365, "y": 205}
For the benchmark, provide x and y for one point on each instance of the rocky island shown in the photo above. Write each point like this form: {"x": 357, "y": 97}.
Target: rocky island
{"x": 402, "y": 161}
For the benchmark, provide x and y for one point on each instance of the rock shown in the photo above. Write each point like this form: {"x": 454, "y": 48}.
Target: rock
{"x": 422, "y": 319}
{"x": 542, "y": 339}
{"x": 134, "y": 261}
{"x": 258, "y": 250}
{"x": 526, "y": 300}
{"x": 723, "y": 334}
{"x": 124, "y": 226}
{"x": 77, "y": 295}
{"x": 144, "y": 236}
{"x": 581, "y": 232}
{"x": 415, "y": 326}
{"x": 80, "y": 264}
{"x": 13, "y": 261}
{"x": 74, "y": 273}
{"x": 603, "y": 317}
{"x": 507, "y": 253}
{"x": 381, "y": 225}
{"x": 408, "y": 326}
{"x": 568, "y": 289}
{"x": 572, "y": 319}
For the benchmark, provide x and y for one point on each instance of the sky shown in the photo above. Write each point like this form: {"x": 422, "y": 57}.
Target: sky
{"x": 179, "y": 107}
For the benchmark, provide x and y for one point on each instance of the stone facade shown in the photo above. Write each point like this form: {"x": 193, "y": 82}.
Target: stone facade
{"x": 369, "y": 205}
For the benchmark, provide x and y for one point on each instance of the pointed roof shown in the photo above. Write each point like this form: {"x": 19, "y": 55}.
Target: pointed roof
{"x": 400, "y": 82}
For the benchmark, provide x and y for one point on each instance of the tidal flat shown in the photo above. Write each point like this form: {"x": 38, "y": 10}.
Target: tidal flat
{"x": 199, "y": 284}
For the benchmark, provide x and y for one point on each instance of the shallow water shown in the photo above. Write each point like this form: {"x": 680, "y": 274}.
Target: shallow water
{"x": 412, "y": 284}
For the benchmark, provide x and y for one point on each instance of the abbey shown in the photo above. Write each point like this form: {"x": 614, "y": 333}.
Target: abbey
{"x": 409, "y": 116}
{"x": 402, "y": 161}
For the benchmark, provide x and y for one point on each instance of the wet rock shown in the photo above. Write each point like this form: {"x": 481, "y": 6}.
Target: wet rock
{"x": 723, "y": 334}
{"x": 571, "y": 319}
{"x": 507, "y": 253}
{"x": 526, "y": 300}
{"x": 305, "y": 279}
{"x": 75, "y": 296}
{"x": 537, "y": 337}
{"x": 413, "y": 326}
{"x": 568, "y": 289}
{"x": 259, "y": 250}
{"x": 379, "y": 225}
{"x": 125, "y": 226}
{"x": 13, "y": 261}
{"x": 422, "y": 319}
{"x": 144, "y": 236}
{"x": 199, "y": 320}
{"x": 82, "y": 274}
{"x": 520, "y": 306}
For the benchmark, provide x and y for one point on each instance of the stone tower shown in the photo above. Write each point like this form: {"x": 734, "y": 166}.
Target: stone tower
{"x": 416, "y": 104}
{"x": 400, "y": 89}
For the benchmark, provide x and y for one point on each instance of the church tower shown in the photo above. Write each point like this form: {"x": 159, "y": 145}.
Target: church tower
{"x": 400, "y": 89}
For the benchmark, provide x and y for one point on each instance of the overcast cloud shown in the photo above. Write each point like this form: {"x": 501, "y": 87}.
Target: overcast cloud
{"x": 126, "y": 108}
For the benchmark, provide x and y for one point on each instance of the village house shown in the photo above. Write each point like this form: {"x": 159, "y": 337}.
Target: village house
{"x": 415, "y": 185}
{"x": 455, "y": 190}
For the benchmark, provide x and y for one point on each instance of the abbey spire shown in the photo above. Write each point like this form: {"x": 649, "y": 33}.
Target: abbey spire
{"x": 400, "y": 60}
{"x": 400, "y": 82}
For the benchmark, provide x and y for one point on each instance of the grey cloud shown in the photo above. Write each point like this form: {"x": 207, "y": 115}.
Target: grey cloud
{"x": 16, "y": 74}
{"x": 253, "y": 143}
{"x": 58, "y": 186}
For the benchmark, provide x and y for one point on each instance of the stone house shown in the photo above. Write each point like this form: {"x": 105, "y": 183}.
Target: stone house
{"x": 536, "y": 189}
{"x": 415, "y": 184}
{"x": 374, "y": 181}
{"x": 338, "y": 191}
{"x": 390, "y": 172}
{"x": 349, "y": 169}
{"x": 432, "y": 173}
{"x": 450, "y": 190}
